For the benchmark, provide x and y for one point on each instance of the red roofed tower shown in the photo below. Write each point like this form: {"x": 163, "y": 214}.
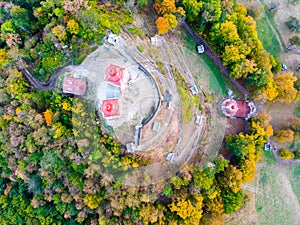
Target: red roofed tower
{"x": 110, "y": 108}
{"x": 240, "y": 109}
{"x": 114, "y": 74}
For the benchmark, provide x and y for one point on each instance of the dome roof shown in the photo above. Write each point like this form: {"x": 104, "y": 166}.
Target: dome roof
{"x": 229, "y": 107}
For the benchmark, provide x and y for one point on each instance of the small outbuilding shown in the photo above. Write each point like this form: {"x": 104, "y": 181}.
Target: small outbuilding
{"x": 170, "y": 156}
{"x": 199, "y": 120}
{"x": 268, "y": 147}
{"x": 156, "y": 126}
{"x": 200, "y": 49}
{"x": 74, "y": 86}
{"x": 194, "y": 90}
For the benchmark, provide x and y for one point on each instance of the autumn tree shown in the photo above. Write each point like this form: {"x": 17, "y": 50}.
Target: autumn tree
{"x": 286, "y": 154}
{"x": 72, "y": 26}
{"x": 188, "y": 210}
{"x": 167, "y": 9}
{"x": 163, "y": 25}
{"x": 285, "y": 87}
{"x": 231, "y": 179}
{"x": 284, "y": 136}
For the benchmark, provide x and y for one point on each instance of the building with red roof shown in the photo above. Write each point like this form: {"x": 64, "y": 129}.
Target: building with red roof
{"x": 110, "y": 108}
{"x": 114, "y": 74}
{"x": 74, "y": 86}
{"x": 238, "y": 109}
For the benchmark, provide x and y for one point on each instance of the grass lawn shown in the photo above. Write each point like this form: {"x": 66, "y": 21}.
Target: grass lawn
{"x": 185, "y": 98}
{"x": 217, "y": 82}
{"x": 294, "y": 176}
{"x": 297, "y": 111}
{"x": 267, "y": 37}
{"x": 279, "y": 191}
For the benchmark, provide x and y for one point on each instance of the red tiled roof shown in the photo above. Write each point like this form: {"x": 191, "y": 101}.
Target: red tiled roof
{"x": 233, "y": 108}
{"x": 243, "y": 109}
{"x": 74, "y": 86}
{"x": 110, "y": 108}
{"x": 114, "y": 74}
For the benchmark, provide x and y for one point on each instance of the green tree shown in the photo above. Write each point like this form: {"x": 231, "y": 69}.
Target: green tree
{"x": 293, "y": 24}
{"x": 232, "y": 201}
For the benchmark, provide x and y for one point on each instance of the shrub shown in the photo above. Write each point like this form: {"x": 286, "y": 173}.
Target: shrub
{"x": 296, "y": 154}
{"x": 284, "y": 136}
{"x": 286, "y": 154}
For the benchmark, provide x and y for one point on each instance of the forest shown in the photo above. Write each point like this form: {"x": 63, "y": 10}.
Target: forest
{"x": 55, "y": 162}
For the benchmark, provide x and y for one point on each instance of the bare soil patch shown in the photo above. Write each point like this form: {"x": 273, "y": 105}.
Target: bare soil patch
{"x": 280, "y": 113}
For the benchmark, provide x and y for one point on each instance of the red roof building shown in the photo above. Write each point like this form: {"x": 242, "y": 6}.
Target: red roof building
{"x": 239, "y": 109}
{"x": 74, "y": 86}
{"x": 110, "y": 108}
{"x": 114, "y": 74}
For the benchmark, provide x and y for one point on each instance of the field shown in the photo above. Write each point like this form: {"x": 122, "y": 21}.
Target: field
{"x": 277, "y": 202}
{"x": 270, "y": 40}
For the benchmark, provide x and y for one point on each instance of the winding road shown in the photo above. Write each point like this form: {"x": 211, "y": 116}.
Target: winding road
{"x": 41, "y": 85}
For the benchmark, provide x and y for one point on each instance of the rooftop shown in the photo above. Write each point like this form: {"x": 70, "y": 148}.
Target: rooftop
{"x": 74, "y": 86}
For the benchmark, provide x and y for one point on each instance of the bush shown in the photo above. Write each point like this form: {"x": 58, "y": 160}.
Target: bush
{"x": 140, "y": 48}
{"x": 256, "y": 11}
{"x": 286, "y": 154}
{"x": 296, "y": 155}
{"x": 293, "y": 24}
{"x": 284, "y": 136}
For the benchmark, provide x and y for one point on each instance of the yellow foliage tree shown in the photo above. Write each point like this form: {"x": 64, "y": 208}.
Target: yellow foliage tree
{"x": 215, "y": 204}
{"x": 284, "y": 136}
{"x": 286, "y": 154}
{"x": 3, "y": 58}
{"x": 190, "y": 212}
{"x": 66, "y": 106}
{"x": 248, "y": 169}
{"x": 92, "y": 201}
{"x": 72, "y": 26}
{"x": 166, "y": 6}
{"x": 172, "y": 20}
{"x": 48, "y": 114}
{"x": 60, "y": 130}
{"x": 269, "y": 92}
{"x": 285, "y": 87}
{"x": 60, "y": 32}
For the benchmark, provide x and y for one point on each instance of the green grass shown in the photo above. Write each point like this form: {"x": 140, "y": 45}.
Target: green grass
{"x": 269, "y": 156}
{"x": 217, "y": 82}
{"x": 273, "y": 203}
{"x": 297, "y": 111}
{"x": 140, "y": 48}
{"x": 185, "y": 98}
{"x": 267, "y": 37}
{"x": 294, "y": 175}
